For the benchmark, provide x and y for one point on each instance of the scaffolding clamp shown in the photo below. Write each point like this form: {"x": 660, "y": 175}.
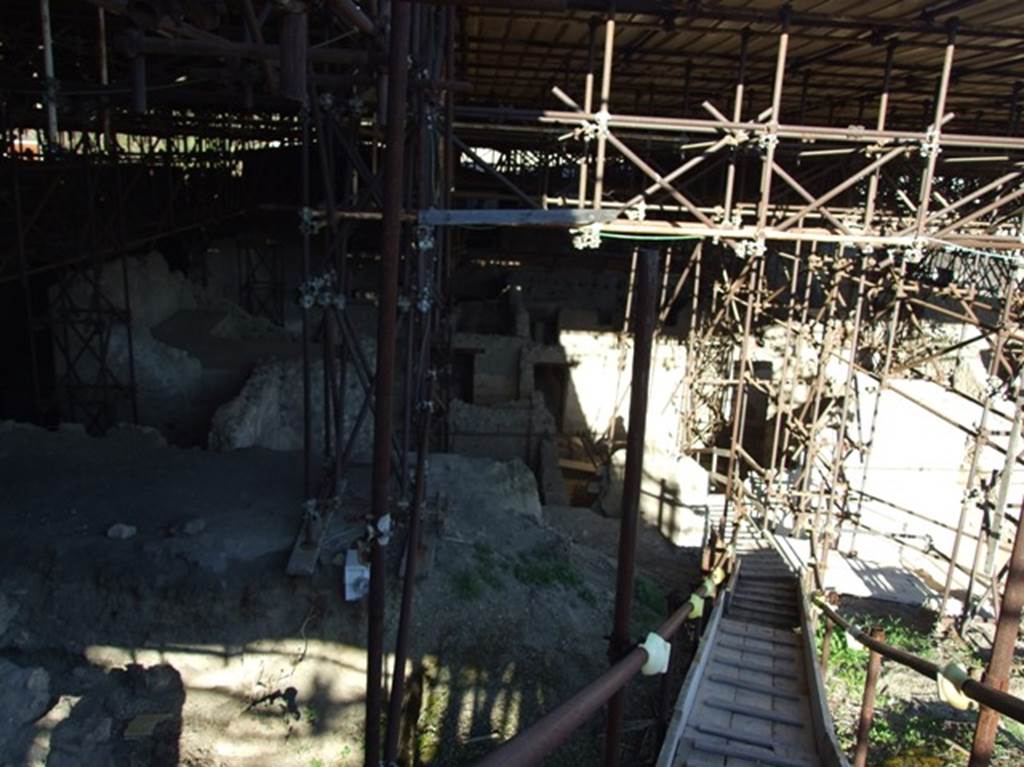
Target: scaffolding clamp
{"x": 658, "y": 654}
{"x": 424, "y": 238}
{"x": 381, "y": 532}
{"x": 586, "y": 237}
{"x": 321, "y": 291}
{"x": 638, "y": 212}
{"x": 717, "y": 576}
{"x": 309, "y": 223}
{"x": 930, "y": 143}
{"x": 710, "y": 588}
{"x": 696, "y": 606}
{"x": 950, "y": 681}
{"x": 767, "y": 141}
{"x": 425, "y": 300}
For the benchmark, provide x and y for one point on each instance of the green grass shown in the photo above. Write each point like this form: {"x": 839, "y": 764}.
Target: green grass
{"x": 902, "y": 734}
{"x": 549, "y": 566}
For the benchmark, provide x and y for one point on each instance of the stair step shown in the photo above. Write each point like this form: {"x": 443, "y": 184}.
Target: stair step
{"x": 757, "y": 755}
{"x": 744, "y": 684}
{"x": 756, "y": 712}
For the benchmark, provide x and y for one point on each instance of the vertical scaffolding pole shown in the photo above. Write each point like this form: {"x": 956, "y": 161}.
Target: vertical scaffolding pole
{"x": 883, "y": 110}
{"x": 645, "y": 311}
{"x": 932, "y": 140}
{"x": 999, "y": 512}
{"x": 588, "y": 104}
{"x": 48, "y": 70}
{"x": 394, "y": 175}
{"x": 773, "y": 127}
{"x": 409, "y": 583}
{"x": 981, "y": 439}
{"x": 737, "y": 113}
{"x": 307, "y": 331}
{"x": 606, "y": 90}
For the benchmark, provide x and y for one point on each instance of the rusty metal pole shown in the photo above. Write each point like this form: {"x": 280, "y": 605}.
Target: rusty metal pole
{"x": 932, "y": 141}
{"x": 606, "y": 91}
{"x": 588, "y": 105}
{"x": 409, "y": 583}
{"x": 645, "y": 312}
{"x": 737, "y": 114}
{"x": 998, "y": 673}
{"x": 867, "y": 707}
{"x": 394, "y": 175}
{"x": 981, "y": 440}
{"x": 883, "y": 110}
{"x": 52, "y": 136}
{"x": 307, "y": 332}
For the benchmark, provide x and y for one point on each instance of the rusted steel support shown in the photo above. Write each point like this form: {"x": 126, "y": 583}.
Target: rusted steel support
{"x": 737, "y": 115}
{"x": 867, "y": 706}
{"x": 849, "y": 390}
{"x": 842, "y": 187}
{"x": 978, "y": 444}
{"x": 409, "y": 583}
{"x": 384, "y": 378}
{"x": 998, "y": 673}
{"x": 931, "y": 145}
{"x": 48, "y": 71}
{"x": 645, "y": 309}
{"x": 883, "y": 110}
{"x": 606, "y": 90}
{"x": 307, "y": 331}
{"x": 754, "y": 274}
{"x": 938, "y": 214}
{"x": 999, "y": 512}
{"x": 588, "y": 106}
{"x": 773, "y": 125}
{"x": 104, "y": 75}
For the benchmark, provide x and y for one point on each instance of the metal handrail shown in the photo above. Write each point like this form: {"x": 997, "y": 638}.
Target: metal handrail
{"x": 1003, "y": 702}
{"x": 530, "y": 746}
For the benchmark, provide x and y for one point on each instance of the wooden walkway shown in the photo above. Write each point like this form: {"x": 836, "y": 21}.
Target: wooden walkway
{"x": 753, "y": 695}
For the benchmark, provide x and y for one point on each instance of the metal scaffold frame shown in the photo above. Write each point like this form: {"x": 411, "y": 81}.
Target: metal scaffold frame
{"x": 807, "y": 175}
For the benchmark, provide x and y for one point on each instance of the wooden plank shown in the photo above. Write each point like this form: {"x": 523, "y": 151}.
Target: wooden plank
{"x": 757, "y": 712}
{"x": 760, "y": 618}
{"x": 748, "y": 664}
{"x": 762, "y": 652}
{"x": 755, "y": 686}
{"x": 755, "y": 755}
{"x": 739, "y": 628}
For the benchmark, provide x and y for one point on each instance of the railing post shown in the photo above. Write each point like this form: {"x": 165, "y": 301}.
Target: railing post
{"x": 867, "y": 706}
{"x": 998, "y": 673}
{"x": 643, "y": 320}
